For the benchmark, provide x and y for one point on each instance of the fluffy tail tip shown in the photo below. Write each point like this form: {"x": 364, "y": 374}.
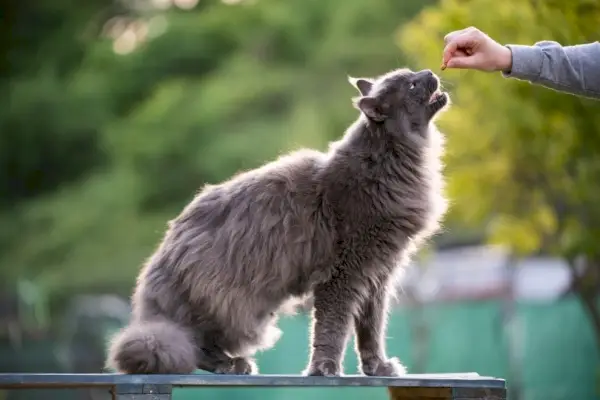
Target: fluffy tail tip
{"x": 158, "y": 347}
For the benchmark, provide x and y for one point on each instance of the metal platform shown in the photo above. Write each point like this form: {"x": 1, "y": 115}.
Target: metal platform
{"x": 466, "y": 386}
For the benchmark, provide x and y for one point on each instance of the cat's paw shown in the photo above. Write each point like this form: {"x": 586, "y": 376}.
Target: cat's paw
{"x": 323, "y": 368}
{"x": 379, "y": 367}
{"x": 238, "y": 366}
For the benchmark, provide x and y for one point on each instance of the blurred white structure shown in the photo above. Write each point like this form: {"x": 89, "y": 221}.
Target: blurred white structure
{"x": 479, "y": 272}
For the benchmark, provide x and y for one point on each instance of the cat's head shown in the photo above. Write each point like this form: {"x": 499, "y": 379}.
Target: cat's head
{"x": 400, "y": 95}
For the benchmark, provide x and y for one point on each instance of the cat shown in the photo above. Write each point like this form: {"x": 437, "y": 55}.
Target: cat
{"x": 335, "y": 226}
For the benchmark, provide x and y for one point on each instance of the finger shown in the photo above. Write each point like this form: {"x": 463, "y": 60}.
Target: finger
{"x": 449, "y": 51}
{"x": 450, "y": 36}
{"x": 455, "y": 48}
{"x": 464, "y": 42}
{"x": 454, "y": 34}
{"x": 457, "y": 53}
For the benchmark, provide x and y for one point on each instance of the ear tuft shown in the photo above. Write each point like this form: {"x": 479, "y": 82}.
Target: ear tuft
{"x": 363, "y": 85}
{"x": 370, "y": 107}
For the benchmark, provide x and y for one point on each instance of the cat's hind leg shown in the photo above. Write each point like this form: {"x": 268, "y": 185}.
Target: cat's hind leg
{"x": 212, "y": 358}
{"x": 216, "y": 361}
{"x": 230, "y": 350}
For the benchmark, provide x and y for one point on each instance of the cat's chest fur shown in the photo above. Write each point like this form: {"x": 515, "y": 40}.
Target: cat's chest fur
{"x": 391, "y": 197}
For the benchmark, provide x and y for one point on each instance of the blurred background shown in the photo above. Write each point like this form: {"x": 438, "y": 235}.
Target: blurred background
{"x": 116, "y": 112}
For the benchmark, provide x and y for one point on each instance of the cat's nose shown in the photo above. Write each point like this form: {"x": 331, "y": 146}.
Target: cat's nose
{"x": 425, "y": 73}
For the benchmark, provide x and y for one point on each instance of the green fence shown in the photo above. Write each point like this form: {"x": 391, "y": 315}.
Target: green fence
{"x": 556, "y": 354}
{"x": 556, "y": 357}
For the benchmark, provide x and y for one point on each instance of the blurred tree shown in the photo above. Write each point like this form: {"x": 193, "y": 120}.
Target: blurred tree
{"x": 140, "y": 103}
{"x": 49, "y": 134}
{"x": 523, "y": 160}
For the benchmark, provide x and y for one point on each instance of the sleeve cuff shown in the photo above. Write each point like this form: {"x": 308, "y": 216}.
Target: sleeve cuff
{"x": 526, "y": 62}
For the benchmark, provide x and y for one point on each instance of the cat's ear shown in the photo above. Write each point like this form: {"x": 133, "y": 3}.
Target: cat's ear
{"x": 370, "y": 106}
{"x": 363, "y": 85}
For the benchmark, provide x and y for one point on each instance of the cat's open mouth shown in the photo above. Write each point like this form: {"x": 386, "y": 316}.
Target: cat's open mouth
{"x": 436, "y": 96}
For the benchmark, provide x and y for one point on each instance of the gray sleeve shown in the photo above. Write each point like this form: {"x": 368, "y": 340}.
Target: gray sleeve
{"x": 571, "y": 69}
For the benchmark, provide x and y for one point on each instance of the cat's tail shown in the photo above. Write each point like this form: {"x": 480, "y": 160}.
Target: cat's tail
{"x": 152, "y": 347}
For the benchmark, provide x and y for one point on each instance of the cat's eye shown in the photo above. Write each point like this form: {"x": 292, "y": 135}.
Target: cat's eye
{"x": 412, "y": 86}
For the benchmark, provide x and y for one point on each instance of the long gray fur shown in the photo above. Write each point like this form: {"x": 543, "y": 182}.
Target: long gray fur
{"x": 335, "y": 226}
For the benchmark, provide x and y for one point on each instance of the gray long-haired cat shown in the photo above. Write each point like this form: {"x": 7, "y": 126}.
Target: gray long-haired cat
{"x": 334, "y": 225}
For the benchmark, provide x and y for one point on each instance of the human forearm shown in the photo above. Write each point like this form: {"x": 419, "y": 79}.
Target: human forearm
{"x": 571, "y": 69}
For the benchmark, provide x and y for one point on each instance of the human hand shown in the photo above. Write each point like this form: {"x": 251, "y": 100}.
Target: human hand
{"x": 470, "y": 48}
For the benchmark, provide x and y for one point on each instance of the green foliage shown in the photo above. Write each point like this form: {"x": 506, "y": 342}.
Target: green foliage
{"x": 105, "y": 139}
{"x": 522, "y": 159}
{"x": 50, "y": 135}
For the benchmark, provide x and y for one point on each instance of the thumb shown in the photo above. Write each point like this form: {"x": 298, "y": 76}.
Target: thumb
{"x": 449, "y": 51}
{"x": 463, "y": 62}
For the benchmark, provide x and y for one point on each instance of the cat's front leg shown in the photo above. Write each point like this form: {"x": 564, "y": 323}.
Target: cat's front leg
{"x": 370, "y": 327}
{"x": 331, "y": 325}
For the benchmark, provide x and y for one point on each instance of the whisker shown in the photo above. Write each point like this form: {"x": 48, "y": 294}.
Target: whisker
{"x": 446, "y": 83}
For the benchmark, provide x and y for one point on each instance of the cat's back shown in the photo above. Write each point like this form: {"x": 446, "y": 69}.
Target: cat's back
{"x": 290, "y": 177}
{"x": 277, "y": 199}
{"x": 266, "y": 218}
